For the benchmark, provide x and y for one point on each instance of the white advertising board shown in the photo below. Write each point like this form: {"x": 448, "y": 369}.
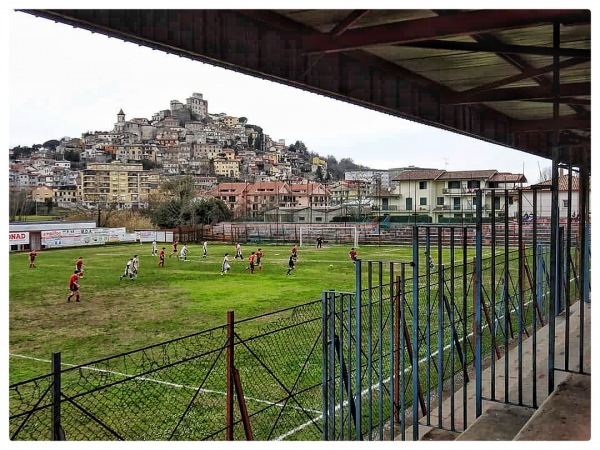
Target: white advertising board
{"x": 18, "y": 238}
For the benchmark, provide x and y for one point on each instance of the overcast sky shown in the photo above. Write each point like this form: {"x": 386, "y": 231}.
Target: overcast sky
{"x": 64, "y": 81}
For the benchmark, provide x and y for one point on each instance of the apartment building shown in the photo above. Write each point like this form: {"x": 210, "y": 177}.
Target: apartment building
{"x": 66, "y": 196}
{"x": 234, "y": 195}
{"x": 452, "y": 194}
{"x": 543, "y": 196}
{"x": 227, "y": 168}
{"x": 124, "y": 185}
{"x": 310, "y": 194}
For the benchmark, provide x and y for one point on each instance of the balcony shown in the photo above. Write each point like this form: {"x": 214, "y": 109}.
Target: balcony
{"x": 459, "y": 191}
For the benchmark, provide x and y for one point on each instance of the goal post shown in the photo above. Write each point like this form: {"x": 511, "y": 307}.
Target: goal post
{"x": 330, "y": 235}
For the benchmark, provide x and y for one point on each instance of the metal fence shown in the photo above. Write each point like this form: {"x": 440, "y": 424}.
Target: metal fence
{"x": 416, "y": 333}
{"x": 258, "y": 378}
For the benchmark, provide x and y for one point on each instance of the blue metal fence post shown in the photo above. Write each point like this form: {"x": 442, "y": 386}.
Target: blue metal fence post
{"x": 394, "y": 376}
{"x": 324, "y": 368}
{"x": 478, "y": 281}
{"x": 586, "y": 266}
{"x": 415, "y": 334}
{"x": 358, "y": 349}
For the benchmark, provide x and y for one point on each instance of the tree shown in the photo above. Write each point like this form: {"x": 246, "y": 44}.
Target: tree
{"x": 148, "y": 164}
{"x": 18, "y": 204}
{"x": 319, "y": 174}
{"x": 545, "y": 174}
{"x": 72, "y": 155}
{"x": 51, "y": 144}
{"x": 168, "y": 215}
{"x": 49, "y": 204}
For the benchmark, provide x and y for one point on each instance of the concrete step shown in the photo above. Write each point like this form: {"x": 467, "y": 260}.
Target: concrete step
{"x": 499, "y": 423}
{"x": 564, "y": 416}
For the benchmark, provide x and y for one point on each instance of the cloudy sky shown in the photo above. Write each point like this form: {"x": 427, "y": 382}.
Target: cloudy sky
{"x": 64, "y": 81}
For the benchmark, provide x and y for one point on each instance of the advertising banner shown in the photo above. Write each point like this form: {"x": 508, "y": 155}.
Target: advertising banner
{"x": 18, "y": 238}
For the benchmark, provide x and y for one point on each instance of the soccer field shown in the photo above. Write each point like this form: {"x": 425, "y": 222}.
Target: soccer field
{"x": 161, "y": 303}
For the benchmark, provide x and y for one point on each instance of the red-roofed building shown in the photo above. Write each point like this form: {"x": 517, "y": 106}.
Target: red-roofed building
{"x": 544, "y": 197}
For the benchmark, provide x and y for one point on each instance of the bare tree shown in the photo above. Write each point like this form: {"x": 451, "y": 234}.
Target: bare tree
{"x": 545, "y": 174}
{"x": 17, "y": 204}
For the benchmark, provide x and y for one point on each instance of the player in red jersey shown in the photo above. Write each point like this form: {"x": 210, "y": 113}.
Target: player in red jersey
{"x": 74, "y": 286}
{"x": 295, "y": 252}
{"x": 32, "y": 255}
{"x": 161, "y": 258}
{"x": 251, "y": 259}
{"x": 259, "y": 256}
{"x": 79, "y": 264}
{"x": 174, "y": 249}
{"x": 353, "y": 254}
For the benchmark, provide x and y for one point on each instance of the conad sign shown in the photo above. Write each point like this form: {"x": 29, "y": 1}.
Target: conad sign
{"x": 18, "y": 238}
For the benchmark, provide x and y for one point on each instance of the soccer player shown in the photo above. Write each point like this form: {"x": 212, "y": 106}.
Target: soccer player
{"x": 295, "y": 252}
{"x": 74, "y": 286}
{"x": 320, "y": 242}
{"x": 225, "y": 266}
{"x": 161, "y": 258}
{"x": 259, "y": 255}
{"x": 135, "y": 265}
{"x": 291, "y": 264}
{"x": 353, "y": 254}
{"x": 174, "y": 249}
{"x": 128, "y": 270}
{"x": 204, "y": 249}
{"x": 154, "y": 248}
{"x": 238, "y": 251}
{"x": 32, "y": 255}
{"x": 251, "y": 262}
{"x": 79, "y": 264}
{"x": 183, "y": 253}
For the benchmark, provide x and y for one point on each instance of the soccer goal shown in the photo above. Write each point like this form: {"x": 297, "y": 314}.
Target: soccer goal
{"x": 330, "y": 235}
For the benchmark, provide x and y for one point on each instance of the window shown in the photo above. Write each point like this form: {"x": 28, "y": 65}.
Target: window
{"x": 318, "y": 219}
{"x": 453, "y": 184}
{"x": 409, "y": 204}
{"x": 439, "y": 201}
{"x": 423, "y": 201}
{"x": 473, "y": 184}
{"x": 422, "y": 184}
{"x": 565, "y": 203}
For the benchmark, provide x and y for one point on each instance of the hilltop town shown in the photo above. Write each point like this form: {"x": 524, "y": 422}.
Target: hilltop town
{"x": 228, "y": 159}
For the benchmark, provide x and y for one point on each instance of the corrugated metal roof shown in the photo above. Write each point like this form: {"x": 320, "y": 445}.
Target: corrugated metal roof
{"x": 486, "y": 72}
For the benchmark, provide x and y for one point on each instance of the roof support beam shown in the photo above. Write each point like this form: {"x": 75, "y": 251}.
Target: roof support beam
{"x": 499, "y": 48}
{"x": 519, "y": 93}
{"x": 352, "y": 18}
{"x": 529, "y": 72}
{"x": 563, "y": 123}
{"x": 460, "y": 24}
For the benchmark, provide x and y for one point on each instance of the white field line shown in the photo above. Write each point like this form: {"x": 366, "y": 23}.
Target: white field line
{"x": 166, "y": 383}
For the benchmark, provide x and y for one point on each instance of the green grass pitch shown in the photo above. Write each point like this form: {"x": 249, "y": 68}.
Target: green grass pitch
{"x": 161, "y": 303}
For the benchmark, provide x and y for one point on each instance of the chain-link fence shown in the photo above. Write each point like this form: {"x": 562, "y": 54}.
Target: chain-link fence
{"x": 186, "y": 389}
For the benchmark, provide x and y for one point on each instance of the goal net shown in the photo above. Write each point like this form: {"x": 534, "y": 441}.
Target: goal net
{"x": 330, "y": 235}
